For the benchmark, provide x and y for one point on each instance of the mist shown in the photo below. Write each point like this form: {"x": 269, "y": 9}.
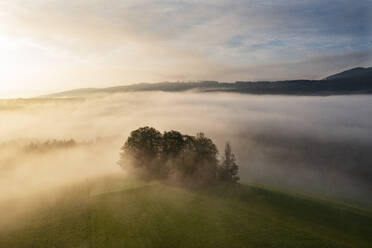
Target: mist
{"x": 313, "y": 145}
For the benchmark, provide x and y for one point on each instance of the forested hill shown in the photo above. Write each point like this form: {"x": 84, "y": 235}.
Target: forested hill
{"x": 354, "y": 81}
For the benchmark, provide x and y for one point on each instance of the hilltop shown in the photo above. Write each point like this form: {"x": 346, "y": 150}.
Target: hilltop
{"x": 357, "y": 72}
{"x": 118, "y": 212}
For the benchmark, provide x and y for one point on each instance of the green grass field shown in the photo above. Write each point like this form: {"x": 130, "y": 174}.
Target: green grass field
{"x": 116, "y": 212}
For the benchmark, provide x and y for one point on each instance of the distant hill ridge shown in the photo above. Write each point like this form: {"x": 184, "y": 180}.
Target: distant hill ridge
{"x": 355, "y": 72}
{"x": 354, "y": 81}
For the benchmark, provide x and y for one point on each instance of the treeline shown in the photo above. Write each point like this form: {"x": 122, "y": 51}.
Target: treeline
{"x": 49, "y": 145}
{"x": 175, "y": 156}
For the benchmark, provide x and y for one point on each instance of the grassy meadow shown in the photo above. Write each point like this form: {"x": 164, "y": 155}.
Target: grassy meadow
{"x": 119, "y": 212}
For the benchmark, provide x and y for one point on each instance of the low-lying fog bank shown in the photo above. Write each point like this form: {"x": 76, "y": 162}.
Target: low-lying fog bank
{"x": 318, "y": 145}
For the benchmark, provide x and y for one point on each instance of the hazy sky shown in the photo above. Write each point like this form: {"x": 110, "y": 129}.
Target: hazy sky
{"x": 51, "y": 45}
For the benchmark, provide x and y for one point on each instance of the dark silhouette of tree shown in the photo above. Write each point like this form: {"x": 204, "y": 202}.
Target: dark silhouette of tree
{"x": 197, "y": 163}
{"x": 144, "y": 146}
{"x": 192, "y": 159}
{"x": 206, "y": 159}
{"x": 228, "y": 169}
{"x": 49, "y": 145}
{"x": 172, "y": 144}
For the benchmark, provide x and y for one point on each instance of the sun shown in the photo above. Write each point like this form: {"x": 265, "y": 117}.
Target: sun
{"x": 15, "y": 66}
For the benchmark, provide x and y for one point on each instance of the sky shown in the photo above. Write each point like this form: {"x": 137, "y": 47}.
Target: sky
{"x": 52, "y": 45}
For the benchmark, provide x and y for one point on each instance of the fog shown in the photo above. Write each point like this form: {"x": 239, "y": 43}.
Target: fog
{"x": 312, "y": 145}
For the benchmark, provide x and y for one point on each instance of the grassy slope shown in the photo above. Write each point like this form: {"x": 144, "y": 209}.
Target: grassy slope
{"x": 133, "y": 214}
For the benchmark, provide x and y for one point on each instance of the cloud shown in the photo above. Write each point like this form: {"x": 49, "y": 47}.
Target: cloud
{"x": 282, "y": 140}
{"x": 99, "y": 43}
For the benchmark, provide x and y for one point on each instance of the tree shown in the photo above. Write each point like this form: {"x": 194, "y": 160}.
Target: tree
{"x": 206, "y": 159}
{"x": 144, "y": 147}
{"x": 172, "y": 144}
{"x": 197, "y": 162}
{"x": 191, "y": 159}
{"x": 228, "y": 170}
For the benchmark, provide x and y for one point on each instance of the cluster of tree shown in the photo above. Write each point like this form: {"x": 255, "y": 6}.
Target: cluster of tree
{"x": 190, "y": 159}
{"x": 49, "y": 145}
